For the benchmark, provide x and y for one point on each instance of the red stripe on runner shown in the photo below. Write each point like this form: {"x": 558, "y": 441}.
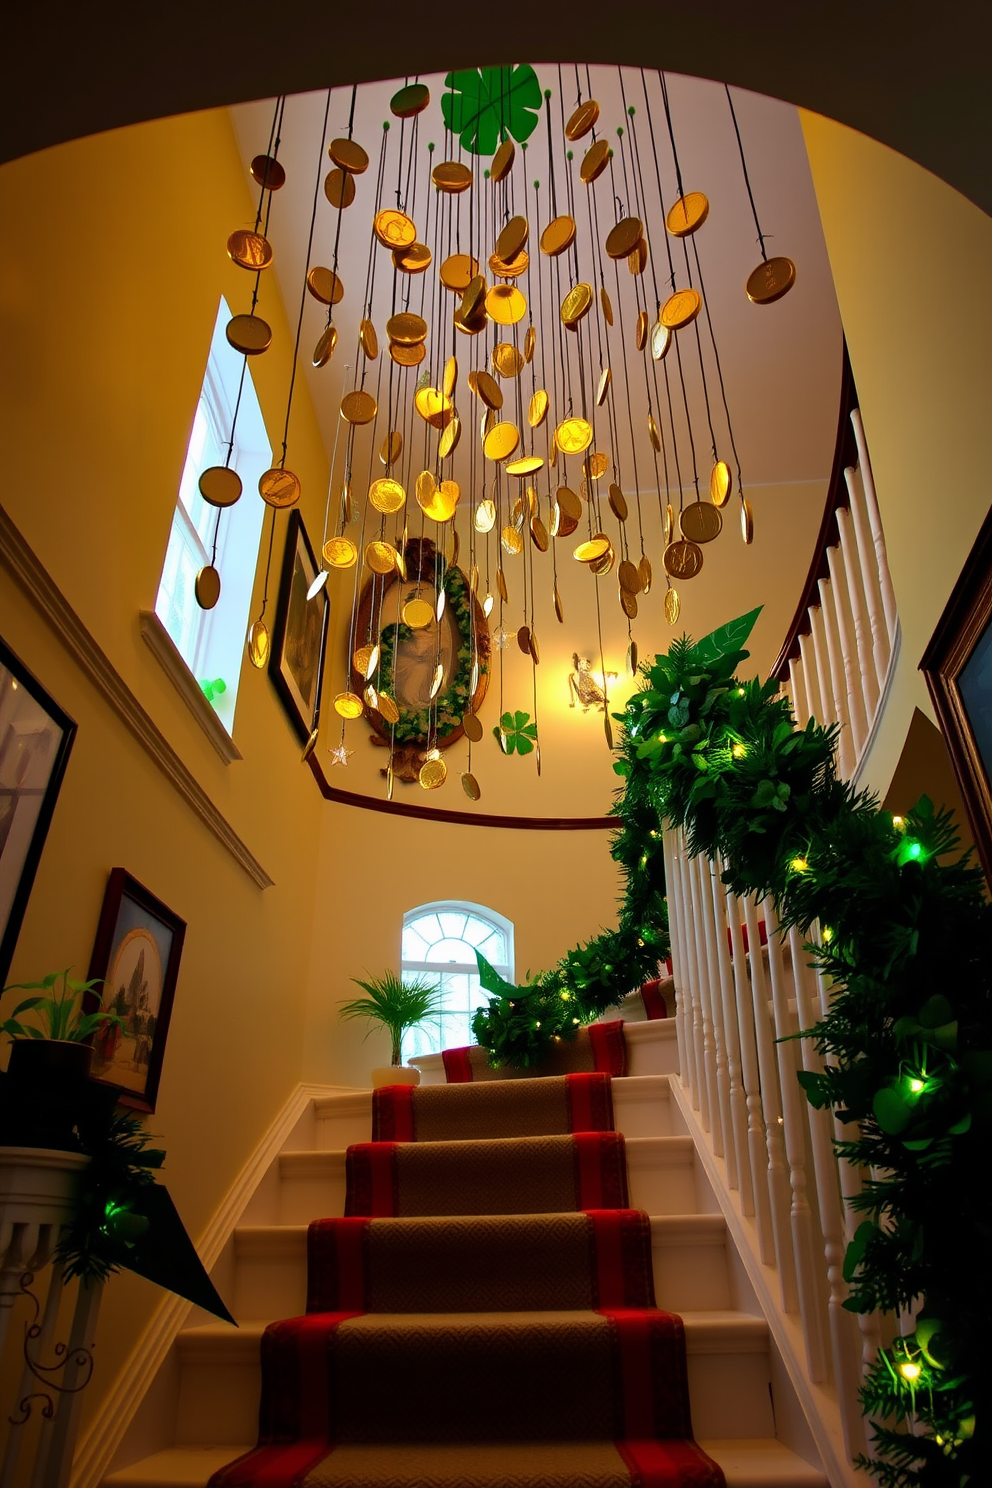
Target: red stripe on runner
{"x": 272, "y": 1467}
{"x": 633, "y": 1331}
{"x": 336, "y": 1265}
{"x": 654, "y": 1004}
{"x": 611, "y": 1290}
{"x": 590, "y": 1104}
{"x": 674, "y": 1463}
{"x": 371, "y": 1180}
{"x": 392, "y": 1114}
{"x": 457, "y": 1066}
{"x": 609, "y": 1047}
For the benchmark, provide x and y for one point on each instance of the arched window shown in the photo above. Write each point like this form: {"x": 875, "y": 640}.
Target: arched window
{"x": 441, "y": 940}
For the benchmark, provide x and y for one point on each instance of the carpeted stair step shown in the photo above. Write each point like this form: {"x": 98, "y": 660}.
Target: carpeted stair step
{"x": 599, "y": 1046}
{"x": 503, "y": 1108}
{"x": 517, "y": 1175}
{"x": 493, "y": 1263}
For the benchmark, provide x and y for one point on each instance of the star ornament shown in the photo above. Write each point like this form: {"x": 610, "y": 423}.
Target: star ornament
{"x": 340, "y": 755}
{"x": 502, "y": 638}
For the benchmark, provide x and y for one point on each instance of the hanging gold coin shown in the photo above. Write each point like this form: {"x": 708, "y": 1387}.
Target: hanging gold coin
{"x": 425, "y": 488}
{"x": 380, "y": 557}
{"x": 534, "y": 649}
{"x": 387, "y": 495}
{"x": 388, "y": 709}
{"x": 358, "y": 407}
{"x": 641, "y": 331}
{"x": 417, "y": 613}
{"x": 568, "y": 504}
{"x": 701, "y": 522}
{"x": 474, "y": 297}
{"x": 410, "y": 100}
{"x": 559, "y": 611}
{"x": 673, "y": 605}
{"x": 326, "y": 343}
{"x": 539, "y": 535}
{"x": 413, "y": 260}
{"x": 220, "y": 486}
{"x": 267, "y": 172}
{"x": 348, "y": 705}
{"x": 451, "y": 177}
{"x": 505, "y": 304}
{"x": 661, "y": 340}
{"x": 249, "y": 334}
{"x": 605, "y": 378}
{"x": 629, "y": 577}
{"x": 501, "y": 441}
{"x": 407, "y": 356}
{"x": 747, "y": 522}
{"x": 394, "y": 229}
{"x": 720, "y": 481}
{"x": 628, "y": 603}
{"x": 538, "y": 410}
{"x": 206, "y": 587}
{"x": 596, "y": 464}
{"x": 558, "y": 236}
{"x": 340, "y": 552}
{"x": 594, "y": 548}
{"x": 279, "y": 488}
{"x": 371, "y": 698}
{"x": 632, "y": 658}
{"x": 488, "y": 389}
{"x": 637, "y": 261}
{"x": 624, "y": 238}
{"x": 349, "y": 155}
{"x": 472, "y": 727}
{"x": 770, "y": 281}
{"x": 339, "y": 188}
{"x": 618, "y": 504}
{"x": 504, "y": 593}
{"x": 507, "y": 360}
{"x": 433, "y": 407}
{"x": 669, "y": 523}
{"x": 653, "y": 433}
{"x": 582, "y": 120}
{"x": 485, "y": 516}
{"x": 325, "y": 285}
{"x": 683, "y": 559}
{"x": 392, "y": 446}
{"x": 512, "y": 238}
{"x": 450, "y": 436}
{"x": 406, "y": 329}
{"x": 512, "y": 542}
{"x": 576, "y": 304}
{"x": 573, "y": 436}
{"x": 450, "y": 376}
{"x": 249, "y": 250}
{"x": 530, "y": 342}
{"x": 595, "y": 161}
{"x": 470, "y": 786}
{"x": 604, "y": 301}
{"x": 603, "y": 565}
{"x": 525, "y": 465}
{"x": 523, "y": 639}
{"x": 365, "y": 660}
{"x": 686, "y": 214}
{"x": 510, "y": 268}
{"x": 258, "y": 644}
{"x": 680, "y": 309}
{"x": 502, "y": 162}
{"x": 646, "y": 573}
{"x": 369, "y": 340}
{"x": 458, "y": 271}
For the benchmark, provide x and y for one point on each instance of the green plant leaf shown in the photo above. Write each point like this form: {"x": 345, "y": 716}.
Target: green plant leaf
{"x": 486, "y": 105}
{"x": 726, "y": 639}
{"x": 516, "y": 734}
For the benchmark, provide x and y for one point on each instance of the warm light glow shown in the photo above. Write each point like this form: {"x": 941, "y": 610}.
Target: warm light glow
{"x": 740, "y": 692}
{"x": 917, "y": 1085}
{"x": 910, "y": 1371}
{"x": 827, "y": 935}
{"x": 739, "y": 751}
{"x": 799, "y": 865}
{"x": 565, "y": 996}
{"x": 899, "y": 823}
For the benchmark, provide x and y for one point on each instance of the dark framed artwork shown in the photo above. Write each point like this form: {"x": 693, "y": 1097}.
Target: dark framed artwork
{"x": 139, "y": 944}
{"x": 36, "y": 737}
{"x": 958, "y": 667}
{"x": 296, "y": 662}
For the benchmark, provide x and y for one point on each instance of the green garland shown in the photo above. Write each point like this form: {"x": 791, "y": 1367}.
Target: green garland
{"x": 414, "y": 724}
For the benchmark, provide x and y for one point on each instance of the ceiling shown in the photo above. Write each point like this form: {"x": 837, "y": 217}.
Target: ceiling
{"x": 780, "y": 365}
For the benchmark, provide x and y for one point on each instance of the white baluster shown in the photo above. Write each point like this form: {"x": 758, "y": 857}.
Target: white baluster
{"x": 845, "y": 744}
{"x": 811, "y": 678}
{"x": 881, "y": 644}
{"x": 800, "y": 705}
{"x": 722, "y": 1132}
{"x": 694, "y": 1008}
{"x": 848, "y": 650}
{"x": 862, "y": 626}
{"x": 735, "y": 1119}
{"x": 709, "y": 1106}
{"x": 771, "y": 1101}
{"x": 759, "y": 1206}
{"x": 875, "y": 522}
{"x": 818, "y": 642}
{"x": 683, "y": 1018}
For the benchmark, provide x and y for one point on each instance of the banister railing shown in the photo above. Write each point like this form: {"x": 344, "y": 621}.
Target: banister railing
{"x": 838, "y": 653}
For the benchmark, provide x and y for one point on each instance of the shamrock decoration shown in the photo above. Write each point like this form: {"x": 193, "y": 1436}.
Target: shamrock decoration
{"x": 488, "y": 104}
{"x": 516, "y": 733}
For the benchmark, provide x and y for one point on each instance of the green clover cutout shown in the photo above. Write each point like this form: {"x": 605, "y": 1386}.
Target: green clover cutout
{"x": 488, "y": 104}
{"x": 516, "y": 733}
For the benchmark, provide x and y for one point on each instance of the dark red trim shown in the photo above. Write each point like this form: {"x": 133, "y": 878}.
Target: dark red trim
{"x": 600, "y": 1170}
{"x": 624, "y": 1275}
{"x": 336, "y": 1264}
{"x": 609, "y": 1047}
{"x": 590, "y": 1102}
{"x": 678, "y": 1463}
{"x": 392, "y": 1114}
{"x": 457, "y": 1066}
{"x": 371, "y": 1175}
{"x": 654, "y": 1004}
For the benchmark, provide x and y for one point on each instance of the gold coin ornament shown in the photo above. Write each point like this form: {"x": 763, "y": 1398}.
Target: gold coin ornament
{"x": 279, "y": 488}
{"x": 538, "y": 410}
{"x": 595, "y": 161}
{"x": 267, "y": 172}
{"x": 434, "y": 408}
{"x": 325, "y": 285}
{"x": 680, "y": 309}
{"x": 458, "y": 271}
{"x": 339, "y": 188}
{"x": 686, "y": 214}
{"x": 488, "y": 390}
{"x": 661, "y": 340}
{"x": 606, "y": 304}
{"x": 618, "y": 504}
{"x": 558, "y": 236}
{"x": 530, "y": 344}
{"x": 258, "y": 644}
{"x": 720, "y": 482}
{"x": 381, "y": 557}
{"x": 637, "y": 261}
{"x": 539, "y": 535}
{"x": 502, "y": 162}
{"x": 249, "y": 250}
{"x": 559, "y": 611}
{"x": 573, "y": 436}
{"x": 394, "y": 229}
{"x": 387, "y": 495}
{"x": 407, "y": 329}
{"x": 324, "y": 349}
{"x": 369, "y": 340}
{"x": 340, "y": 552}
{"x": 747, "y": 522}
{"x": 647, "y": 574}
{"x": 605, "y": 378}
{"x": 433, "y": 773}
{"x": 451, "y": 177}
{"x": 771, "y": 280}
{"x": 413, "y": 260}
{"x": 505, "y": 304}
{"x": 504, "y": 593}
{"x": 501, "y": 442}
{"x": 450, "y": 436}
{"x": 507, "y": 360}
{"x": 407, "y": 356}
{"x": 392, "y": 447}
{"x": 470, "y": 786}
{"x": 474, "y": 298}
{"x": 441, "y": 507}
{"x": 641, "y": 330}
{"x": 358, "y": 407}
{"x": 410, "y": 101}
{"x": 701, "y": 522}
{"x": 249, "y": 334}
{"x": 450, "y": 376}
{"x": 365, "y": 660}
{"x": 654, "y": 433}
{"x": 582, "y": 120}
{"x": 220, "y": 486}
{"x": 485, "y": 516}
{"x": 632, "y": 658}
{"x": 206, "y": 587}
{"x": 417, "y": 613}
{"x": 596, "y": 548}
{"x": 628, "y": 603}
{"x": 388, "y": 709}
{"x": 349, "y": 705}
{"x": 576, "y": 304}
{"x": 349, "y": 155}
{"x": 512, "y": 238}
{"x": 473, "y": 728}
{"x": 597, "y": 464}
{"x": 673, "y": 605}
{"x": 526, "y": 465}
{"x": 669, "y": 523}
{"x": 629, "y": 577}
{"x": 683, "y": 559}
{"x": 512, "y": 542}
{"x": 622, "y": 239}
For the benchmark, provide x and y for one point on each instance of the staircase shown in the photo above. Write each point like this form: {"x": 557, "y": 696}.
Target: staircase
{"x": 730, "y": 1369}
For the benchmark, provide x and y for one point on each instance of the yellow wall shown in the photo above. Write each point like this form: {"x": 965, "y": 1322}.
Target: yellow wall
{"x": 112, "y": 262}
{"x": 910, "y": 259}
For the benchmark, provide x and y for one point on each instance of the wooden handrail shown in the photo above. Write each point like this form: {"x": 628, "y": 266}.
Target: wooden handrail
{"x": 845, "y": 455}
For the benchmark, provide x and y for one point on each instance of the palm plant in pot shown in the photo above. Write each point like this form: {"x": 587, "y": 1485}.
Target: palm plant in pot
{"x": 50, "y": 1059}
{"x": 396, "y": 1005}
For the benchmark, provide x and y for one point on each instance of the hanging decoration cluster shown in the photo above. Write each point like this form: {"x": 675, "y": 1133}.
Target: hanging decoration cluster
{"x": 900, "y": 925}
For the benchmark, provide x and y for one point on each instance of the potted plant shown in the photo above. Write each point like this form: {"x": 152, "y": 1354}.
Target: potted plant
{"x": 397, "y": 1005}
{"x": 49, "y": 1061}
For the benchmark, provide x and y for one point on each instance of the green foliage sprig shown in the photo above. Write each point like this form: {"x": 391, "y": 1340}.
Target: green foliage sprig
{"x": 397, "y": 1005}
{"x": 451, "y": 705}
{"x": 60, "y": 1015}
{"x": 104, "y": 1223}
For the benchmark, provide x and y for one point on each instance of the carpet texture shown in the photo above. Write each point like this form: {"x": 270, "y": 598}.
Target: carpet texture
{"x": 600, "y": 1046}
{"x": 483, "y": 1316}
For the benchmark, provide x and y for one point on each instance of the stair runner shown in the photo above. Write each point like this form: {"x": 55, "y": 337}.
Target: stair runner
{"x": 483, "y": 1316}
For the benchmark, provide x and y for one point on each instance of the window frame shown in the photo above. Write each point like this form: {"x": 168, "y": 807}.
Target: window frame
{"x": 472, "y": 910}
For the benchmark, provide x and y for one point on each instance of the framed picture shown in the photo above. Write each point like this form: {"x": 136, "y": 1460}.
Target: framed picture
{"x": 35, "y": 740}
{"x": 296, "y": 662}
{"x": 958, "y": 667}
{"x": 139, "y": 944}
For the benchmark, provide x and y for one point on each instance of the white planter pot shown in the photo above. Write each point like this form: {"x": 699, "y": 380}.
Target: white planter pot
{"x": 394, "y": 1074}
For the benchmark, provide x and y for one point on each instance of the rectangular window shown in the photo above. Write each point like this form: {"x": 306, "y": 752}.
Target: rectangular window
{"x": 211, "y": 642}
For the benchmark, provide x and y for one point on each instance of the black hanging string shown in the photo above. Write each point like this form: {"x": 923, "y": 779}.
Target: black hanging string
{"x": 747, "y": 179}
